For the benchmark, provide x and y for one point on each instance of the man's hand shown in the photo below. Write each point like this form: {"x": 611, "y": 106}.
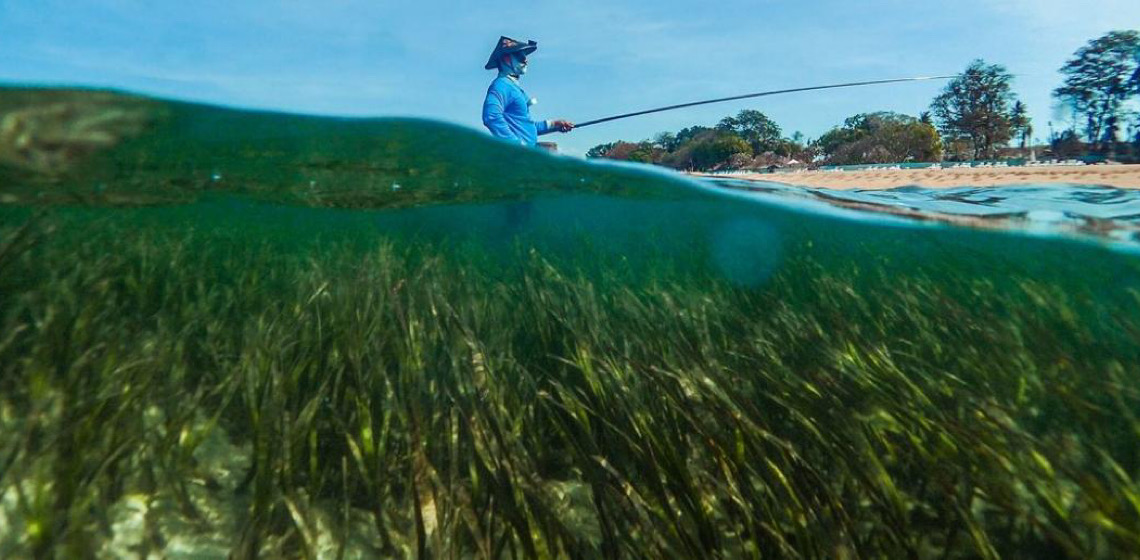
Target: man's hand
{"x": 562, "y": 126}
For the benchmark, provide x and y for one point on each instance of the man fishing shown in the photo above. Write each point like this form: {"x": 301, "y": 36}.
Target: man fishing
{"x": 506, "y": 111}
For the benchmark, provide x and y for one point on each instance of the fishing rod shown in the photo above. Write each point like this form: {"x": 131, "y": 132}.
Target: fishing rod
{"x": 761, "y": 94}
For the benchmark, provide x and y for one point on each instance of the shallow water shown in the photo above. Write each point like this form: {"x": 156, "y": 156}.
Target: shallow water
{"x": 1081, "y": 211}
{"x": 275, "y": 335}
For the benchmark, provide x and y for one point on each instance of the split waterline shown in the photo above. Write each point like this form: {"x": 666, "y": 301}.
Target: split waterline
{"x": 277, "y": 336}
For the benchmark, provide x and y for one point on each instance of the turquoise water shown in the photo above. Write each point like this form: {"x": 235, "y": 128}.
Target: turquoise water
{"x": 229, "y": 332}
{"x": 1091, "y": 212}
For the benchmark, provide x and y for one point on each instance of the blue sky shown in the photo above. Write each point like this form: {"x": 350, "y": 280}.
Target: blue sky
{"x": 425, "y": 58}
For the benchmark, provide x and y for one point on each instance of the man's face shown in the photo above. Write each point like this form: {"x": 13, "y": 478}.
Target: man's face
{"x": 516, "y": 62}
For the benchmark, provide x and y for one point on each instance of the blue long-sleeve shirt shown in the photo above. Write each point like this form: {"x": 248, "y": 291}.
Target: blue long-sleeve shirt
{"x": 506, "y": 113}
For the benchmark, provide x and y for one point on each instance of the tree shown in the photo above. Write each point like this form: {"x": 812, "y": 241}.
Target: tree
{"x": 882, "y": 137}
{"x": 761, "y": 133}
{"x": 739, "y": 160}
{"x": 1100, "y": 77}
{"x": 718, "y": 149}
{"x": 646, "y": 152}
{"x": 666, "y": 141}
{"x": 687, "y": 135}
{"x": 1020, "y": 122}
{"x": 1135, "y": 134}
{"x": 620, "y": 150}
{"x": 600, "y": 150}
{"x": 975, "y": 106}
{"x": 1067, "y": 145}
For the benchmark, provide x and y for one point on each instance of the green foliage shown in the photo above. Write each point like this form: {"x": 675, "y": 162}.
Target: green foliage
{"x": 882, "y": 137}
{"x": 250, "y": 377}
{"x": 716, "y": 148}
{"x": 215, "y": 391}
{"x": 643, "y": 152}
{"x": 1067, "y": 145}
{"x": 75, "y": 147}
{"x": 1099, "y": 79}
{"x": 976, "y": 107}
{"x": 761, "y": 133}
{"x": 731, "y": 144}
{"x": 647, "y": 152}
{"x": 688, "y": 134}
{"x": 1021, "y": 123}
{"x": 666, "y": 141}
{"x": 600, "y": 150}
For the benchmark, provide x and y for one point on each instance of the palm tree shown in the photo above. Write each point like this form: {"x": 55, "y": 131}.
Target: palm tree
{"x": 1020, "y": 123}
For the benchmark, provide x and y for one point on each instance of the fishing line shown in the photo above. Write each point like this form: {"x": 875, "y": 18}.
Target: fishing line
{"x": 760, "y": 94}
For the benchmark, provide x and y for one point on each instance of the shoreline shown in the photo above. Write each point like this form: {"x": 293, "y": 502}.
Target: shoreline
{"x": 1119, "y": 176}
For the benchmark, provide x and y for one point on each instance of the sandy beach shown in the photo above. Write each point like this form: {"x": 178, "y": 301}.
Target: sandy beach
{"x": 1123, "y": 176}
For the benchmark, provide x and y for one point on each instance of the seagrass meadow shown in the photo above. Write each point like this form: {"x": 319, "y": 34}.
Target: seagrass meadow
{"x": 249, "y": 335}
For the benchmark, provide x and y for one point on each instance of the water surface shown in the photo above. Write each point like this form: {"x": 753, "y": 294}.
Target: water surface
{"x": 264, "y": 335}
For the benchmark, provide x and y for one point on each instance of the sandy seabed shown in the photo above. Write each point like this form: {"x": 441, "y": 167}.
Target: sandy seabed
{"x": 1122, "y": 176}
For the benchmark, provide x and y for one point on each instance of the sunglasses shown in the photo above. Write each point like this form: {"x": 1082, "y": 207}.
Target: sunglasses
{"x": 518, "y": 57}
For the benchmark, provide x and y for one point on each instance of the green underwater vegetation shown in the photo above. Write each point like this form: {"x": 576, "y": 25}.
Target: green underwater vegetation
{"x": 557, "y": 360}
{"x": 107, "y": 148}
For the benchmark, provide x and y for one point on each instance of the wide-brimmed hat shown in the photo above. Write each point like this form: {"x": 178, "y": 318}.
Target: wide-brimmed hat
{"x": 506, "y": 45}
